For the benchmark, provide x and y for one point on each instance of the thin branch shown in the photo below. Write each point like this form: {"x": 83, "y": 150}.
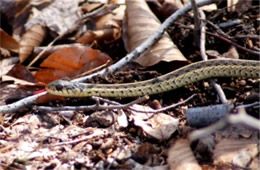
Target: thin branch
{"x": 216, "y": 27}
{"x": 220, "y": 91}
{"x": 197, "y": 23}
{"x": 16, "y": 106}
{"x": 233, "y": 43}
{"x": 231, "y": 119}
{"x": 164, "y": 108}
{"x": 96, "y": 106}
{"x": 203, "y": 37}
{"x": 114, "y": 159}
{"x": 95, "y": 134}
{"x": 249, "y": 105}
{"x": 204, "y": 56}
{"x": 243, "y": 118}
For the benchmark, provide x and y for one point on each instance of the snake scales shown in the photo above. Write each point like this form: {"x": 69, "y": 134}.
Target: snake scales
{"x": 175, "y": 79}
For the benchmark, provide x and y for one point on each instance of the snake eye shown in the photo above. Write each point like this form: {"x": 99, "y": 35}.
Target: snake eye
{"x": 59, "y": 87}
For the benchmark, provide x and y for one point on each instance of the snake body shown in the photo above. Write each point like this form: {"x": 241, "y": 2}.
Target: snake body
{"x": 186, "y": 75}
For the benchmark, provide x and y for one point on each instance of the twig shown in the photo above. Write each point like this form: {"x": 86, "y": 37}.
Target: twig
{"x": 45, "y": 49}
{"x": 204, "y": 56}
{"x": 20, "y": 104}
{"x": 229, "y": 23}
{"x": 95, "y": 134}
{"x": 203, "y": 37}
{"x": 96, "y": 106}
{"x": 139, "y": 100}
{"x": 131, "y": 56}
{"x": 164, "y": 108}
{"x": 197, "y": 22}
{"x": 235, "y": 44}
{"x": 242, "y": 117}
{"x": 248, "y": 36}
{"x": 197, "y": 134}
{"x": 216, "y": 27}
{"x": 107, "y": 8}
{"x": 111, "y": 163}
{"x": 220, "y": 91}
{"x": 249, "y": 105}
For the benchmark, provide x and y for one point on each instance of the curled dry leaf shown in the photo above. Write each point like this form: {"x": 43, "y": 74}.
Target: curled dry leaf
{"x": 165, "y": 8}
{"x": 8, "y": 42}
{"x": 89, "y": 7}
{"x": 236, "y": 152}
{"x": 160, "y": 126}
{"x": 59, "y": 17}
{"x": 141, "y": 23}
{"x": 32, "y": 38}
{"x": 208, "y": 8}
{"x": 108, "y": 26}
{"x": 21, "y": 72}
{"x": 69, "y": 62}
{"x": 232, "y": 53}
{"x": 107, "y": 35}
{"x": 238, "y": 5}
{"x": 180, "y": 156}
{"x": 7, "y": 64}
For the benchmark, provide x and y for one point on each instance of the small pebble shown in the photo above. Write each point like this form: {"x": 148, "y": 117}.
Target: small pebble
{"x": 232, "y": 84}
{"x": 206, "y": 84}
{"x": 242, "y": 82}
{"x": 155, "y": 104}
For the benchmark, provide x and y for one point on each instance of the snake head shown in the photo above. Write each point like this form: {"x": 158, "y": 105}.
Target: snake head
{"x": 60, "y": 87}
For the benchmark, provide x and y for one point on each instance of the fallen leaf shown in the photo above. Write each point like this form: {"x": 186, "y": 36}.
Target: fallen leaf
{"x": 8, "y": 42}
{"x": 7, "y": 64}
{"x": 32, "y": 38}
{"x": 20, "y": 72}
{"x": 69, "y": 62}
{"x": 60, "y": 16}
{"x": 232, "y": 53}
{"x": 237, "y": 152}
{"x": 105, "y": 35}
{"x": 141, "y": 23}
{"x": 160, "y": 126}
{"x": 180, "y": 156}
{"x": 208, "y": 8}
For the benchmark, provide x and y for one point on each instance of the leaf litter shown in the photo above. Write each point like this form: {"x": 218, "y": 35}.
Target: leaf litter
{"x": 131, "y": 139}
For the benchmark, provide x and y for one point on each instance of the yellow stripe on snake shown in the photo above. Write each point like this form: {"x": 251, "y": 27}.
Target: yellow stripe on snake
{"x": 186, "y": 75}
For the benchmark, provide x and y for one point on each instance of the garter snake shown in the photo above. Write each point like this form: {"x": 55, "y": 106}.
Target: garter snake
{"x": 175, "y": 79}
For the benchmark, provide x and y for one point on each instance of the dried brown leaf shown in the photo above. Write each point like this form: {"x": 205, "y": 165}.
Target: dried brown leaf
{"x": 32, "y": 38}
{"x": 107, "y": 35}
{"x": 180, "y": 156}
{"x": 141, "y": 23}
{"x": 238, "y": 5}
{"x": 237, "y": 152}
{"x": 21, "y": 72}
{"x": 208, "y": 8}
{"x": 160, "y": 126}
{"x": 69, "y": 62}
{"x": 7, "y": 64}
{"x": 8, "y": 42}
{"x": 59, "y": 17}
{"x": 231, "y": 53}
